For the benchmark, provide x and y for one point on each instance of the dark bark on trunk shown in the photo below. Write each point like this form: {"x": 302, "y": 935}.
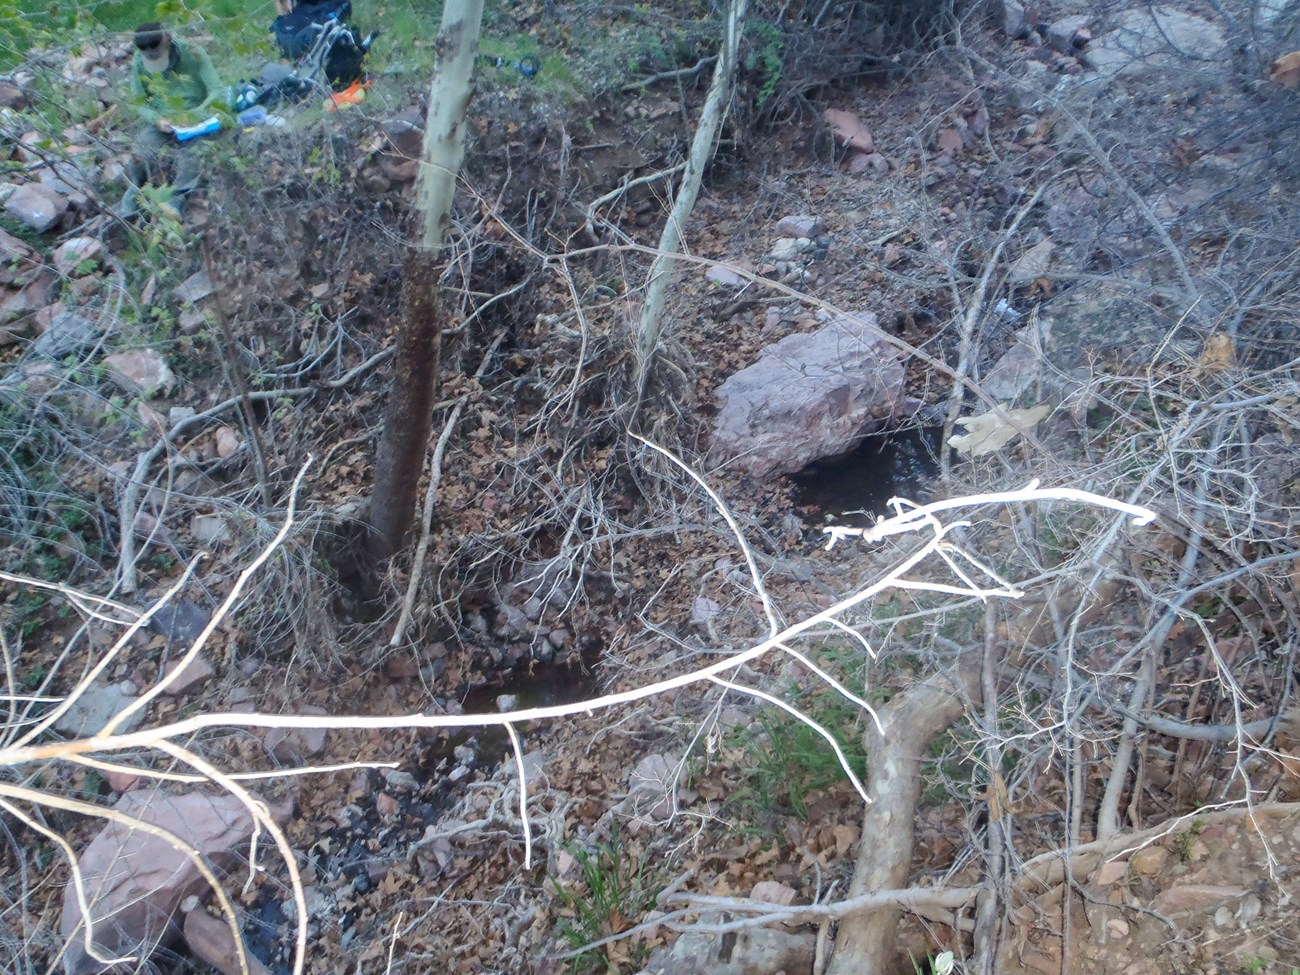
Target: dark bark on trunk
{"x": 409, "y": 417}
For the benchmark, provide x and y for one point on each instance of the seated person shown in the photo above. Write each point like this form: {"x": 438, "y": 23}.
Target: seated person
{"x": 167, "y": 75}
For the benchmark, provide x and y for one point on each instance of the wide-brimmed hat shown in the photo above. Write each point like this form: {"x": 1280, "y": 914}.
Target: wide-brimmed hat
{"x": 154, "y": 45}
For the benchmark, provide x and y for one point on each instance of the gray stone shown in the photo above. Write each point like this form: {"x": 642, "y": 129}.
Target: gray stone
{"x": 71, "y": 256}
{"x": 194, "y": 288}
{"x": 94, "y": 708}
{"x": 181, "y": 621}
{"x": 755, "y": 951}
{"x": 1155, "y": 40}
{"x": 37, "y": 206}
{"x": 725, "y": 274}
{"x": 293, "y": 745}
{"x": 1069, "y": 33}
{"x": 808, "y": 397}
{"x": 69, "y": 332}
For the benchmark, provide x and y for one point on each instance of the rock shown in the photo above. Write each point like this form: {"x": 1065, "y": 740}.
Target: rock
{"x": 1110, "y": 872}
{"x": 1195, "y": 898}
{"x": 70, "y": 332}
{"x": 559, "y": 638}
{"x": 13, "y": 250}
{"x": 849, "y": 130}
{"x": 29, "y": 298}
{"x": 11, "y": 96}
{"x": 1148, "y": 861}
{"x": 181, "y": 621}
{"x": 754, "y": 951}
{"x": 788, "y": 248}
{"x": 808, "y": 397}
{"x": 725, "y": 274}
{"x": 507, "y": 702}
{"x": 800, "y": 225}
{"x": 120, "y": 781}
{"x": 210, "y": 529}
{"x": 293, "y": 745}
{"x": 194, "y": 288}
{"x": 142, "y": 371}
{"x": 191, "y": 321}
{"x": 210, "y": 939}
{"x": 1152, "y": 40}
{"x": 135, "y": 881}
{"x": 71, "y": 255}
{"x": 178, "y": 414}
{"x": 651, "y": 786}
{"x": 36, "y": 206}
{"x": 1013, "y": 19}
{"x": 773, "y": 893}
{"x": 1069, "y": 33}
{"x": 704, "y": 611}
{"x": 194, "y": 674}
{"x": 94, "y": 708}
{"x": 227, "y": 442}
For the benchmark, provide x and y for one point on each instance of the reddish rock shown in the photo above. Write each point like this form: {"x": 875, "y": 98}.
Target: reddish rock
{"x": 800, "y": 225}
{"x": 808, "y": 397}
{"x": 11, "y": 96}
{"x": 293, "y": 745}
{"x": 210, "y": 939}
{"x": 142, "y": 371}
{"x": 1195, "y": 898}
{"x": 194, "y": 675}
{"x": 134, "y": 881}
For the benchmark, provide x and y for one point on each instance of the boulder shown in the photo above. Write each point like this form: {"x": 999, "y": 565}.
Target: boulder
{"x": 1153, "y": 40}
{"x": 39, "y": 207}
{"x": 135, "y": 881}
{"x": 800, "y": 225}
{"x": 808, "y": 397}
{"x": 12, "y": 96}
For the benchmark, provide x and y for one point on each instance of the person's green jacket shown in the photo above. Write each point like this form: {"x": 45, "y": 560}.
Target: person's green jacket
{"x": 190, "y": 84}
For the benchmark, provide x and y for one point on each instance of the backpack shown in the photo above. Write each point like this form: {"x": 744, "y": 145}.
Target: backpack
{"x": 317, "y": 38}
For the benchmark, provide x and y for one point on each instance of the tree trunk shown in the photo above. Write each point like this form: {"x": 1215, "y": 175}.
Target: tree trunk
{"x": 866, "y": 942}
{"x": 400, "y": 459}
{"x": 670, "y": 241}
{"x": 407, "y": 420}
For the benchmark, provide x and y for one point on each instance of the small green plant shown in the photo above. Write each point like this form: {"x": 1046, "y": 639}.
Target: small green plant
{"x": 787, "y": 761}
{"x": 616, "y": 894}
{"x": 941, "y": 964}
{"x": 767, "y": 58}
{"x": 1184, "y": 842}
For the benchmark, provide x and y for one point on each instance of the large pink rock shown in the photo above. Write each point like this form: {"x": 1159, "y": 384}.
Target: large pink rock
{"x": 808, "y": 397}
{"x": 135, "y": 881}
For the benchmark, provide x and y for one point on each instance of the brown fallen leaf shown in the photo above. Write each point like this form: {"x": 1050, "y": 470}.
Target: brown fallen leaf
{"x": 987, "y": 432}
{"x": 1033, "y": 263}
{"x": 1285, "y": 70}
{"x": 949, "y": 140}
{"x": 1217, "y": 356}
{"x": 849, "y": 130}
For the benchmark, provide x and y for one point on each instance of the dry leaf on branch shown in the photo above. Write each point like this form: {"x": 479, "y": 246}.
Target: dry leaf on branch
{"x": 988, "y": 431}
{"x": 849, "y": 130}
{"x": 1286, "y": 70}
{"x": 1033, "y": 263}
{"x": 1217, "y": 356}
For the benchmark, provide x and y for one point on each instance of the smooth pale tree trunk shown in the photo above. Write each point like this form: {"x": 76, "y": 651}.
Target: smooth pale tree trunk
{"x": 867, "y": 942}
{"x": 400, "y": 459}
{"x": 671, "y": 240}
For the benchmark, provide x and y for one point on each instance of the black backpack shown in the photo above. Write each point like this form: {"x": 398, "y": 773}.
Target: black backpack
{"x": 319, "y": 33}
